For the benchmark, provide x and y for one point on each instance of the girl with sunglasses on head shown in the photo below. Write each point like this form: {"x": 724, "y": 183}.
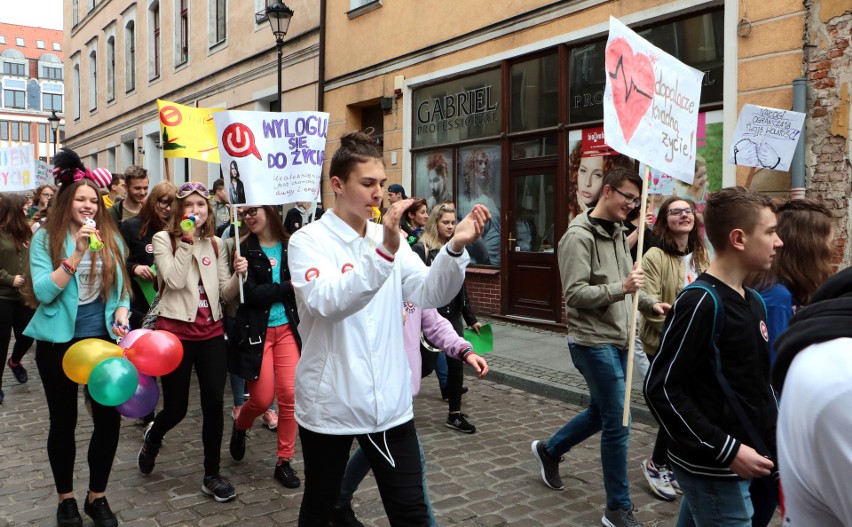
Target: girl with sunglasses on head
{"x": 193, "y": 275}
{"x": 677, "y": 260}
{"x": 350, "y": 277}
{"x": 138, "y": 233}
{"x": 265, "y": 343}
{"x": 15, "y": 237}
{"x": 80, "y": 294}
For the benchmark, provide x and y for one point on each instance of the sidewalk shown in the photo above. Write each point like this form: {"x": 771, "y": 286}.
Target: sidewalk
{"x": 537, "y": 361}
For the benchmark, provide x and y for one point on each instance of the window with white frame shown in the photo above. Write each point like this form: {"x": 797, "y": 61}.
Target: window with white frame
{"x": 181, "y": 31}
{"x": 75, "y": 12}
{"x": 51, "y": 101}
{"x": 57, "y": 46}
{"x": 130, "y": 56}
{"x": 14, "y": 98}
{"x": 18, "y": 69}
{"x": 217, "y": 28}
{"x": 75, "y": 87}
{"x": 93, "y": 78}
{"x": 110, "y": 69}
{"x": 154, "y": 40}
{"x": 20, "y": 42}
{"x": 40, "y": 44}
{"x": 2, "y": 39}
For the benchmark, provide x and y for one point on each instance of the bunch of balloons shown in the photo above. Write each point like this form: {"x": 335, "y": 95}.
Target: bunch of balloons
{"x": 123, "y": 375}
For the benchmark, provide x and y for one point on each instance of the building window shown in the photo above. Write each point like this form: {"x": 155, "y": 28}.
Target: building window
{"x": 76, "y": 87}
{"x": 14, "y": 99}
{"x": 40, "y": 44}
{"x": 93, "y": 80}
{"x": 42, "y": 132}
{"x": 182, "y": 36}
{"x": 4, "y": 130}
{"x": 20, "y": 42}
{"x": 75, "y": 12}
{"x": 154, "y": 39}
{"x": 218, "y": 22}
{"x": 20, "y": 131}
{"x": 355, "y": 4}
{"x": 110, "y": 64}
{"x": 130, "y": 56}
{"x": 2, "y": 39}
{"x": 90, "y": 4}
{"x": 57, "y": 47}
{"x": 51, "y": 101}
{"x": 15, "y": 68}
{"x": 48, "y": 72}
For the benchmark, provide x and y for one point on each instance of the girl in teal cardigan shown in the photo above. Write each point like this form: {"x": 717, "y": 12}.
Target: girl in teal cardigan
{"x": 80, "y": 294}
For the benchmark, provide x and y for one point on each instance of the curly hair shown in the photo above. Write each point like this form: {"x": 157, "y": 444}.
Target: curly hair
{"x": 611, "y": 160}
{"x": 470, "y": 163}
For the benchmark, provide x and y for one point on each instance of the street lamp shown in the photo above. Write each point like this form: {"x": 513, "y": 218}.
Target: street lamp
{"x": 54, "y": 125}
{"x": 279, "y": 16}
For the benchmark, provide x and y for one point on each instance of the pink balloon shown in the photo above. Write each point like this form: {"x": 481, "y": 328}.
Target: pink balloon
{"x": 156, "y": 353}
{"x": 132, "y": 337}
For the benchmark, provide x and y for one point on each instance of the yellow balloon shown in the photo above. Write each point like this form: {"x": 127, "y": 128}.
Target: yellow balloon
{"x": 83, "y": 356}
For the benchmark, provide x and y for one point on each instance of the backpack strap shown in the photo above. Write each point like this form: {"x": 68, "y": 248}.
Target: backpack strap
{"x": 730, "y": 395}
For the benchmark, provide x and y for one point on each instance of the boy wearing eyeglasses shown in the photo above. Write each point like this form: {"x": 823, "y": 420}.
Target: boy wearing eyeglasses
{"x": 598, "y": 281}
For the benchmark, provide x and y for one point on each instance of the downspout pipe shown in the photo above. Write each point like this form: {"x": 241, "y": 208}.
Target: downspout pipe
{"x": 321, "y": 64}
{"x": 800, "y": 98}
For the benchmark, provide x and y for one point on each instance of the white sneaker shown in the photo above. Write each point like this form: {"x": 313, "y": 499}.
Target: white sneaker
{"x": 658, "y": 479}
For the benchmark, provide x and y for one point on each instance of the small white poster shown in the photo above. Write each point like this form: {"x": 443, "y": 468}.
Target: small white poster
{"x": 766, "y": 137}
{"x": 271, "y": 158}
{"x": 651, "y": 103}
{"x": 17, "y": 168}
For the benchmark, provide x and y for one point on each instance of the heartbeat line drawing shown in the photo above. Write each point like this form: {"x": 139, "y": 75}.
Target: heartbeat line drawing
{"x": 629, "y": 89}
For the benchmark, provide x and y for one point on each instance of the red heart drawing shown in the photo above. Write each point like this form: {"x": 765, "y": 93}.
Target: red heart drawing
{"x": 631, "y": 76}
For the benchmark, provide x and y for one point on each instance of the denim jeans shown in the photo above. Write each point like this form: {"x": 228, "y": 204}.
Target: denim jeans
{"x": 441, "y": 370}
{"x": 357, "y": 469}
{"x": 603, "y": 368}
{"x": 713, "y": 502}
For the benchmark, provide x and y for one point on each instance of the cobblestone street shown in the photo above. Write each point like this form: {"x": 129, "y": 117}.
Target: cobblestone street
{"x": 488, "y": 478}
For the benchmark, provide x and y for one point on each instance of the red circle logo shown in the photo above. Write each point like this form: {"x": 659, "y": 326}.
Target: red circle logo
{"x": 764, "y": 331}
{"x": 311, "y": 273}
{"x": 205, "y": 261}
{"x": 273, "y": 261}
{"x": 149, "y": 248}
{"x": 346, "y": 267}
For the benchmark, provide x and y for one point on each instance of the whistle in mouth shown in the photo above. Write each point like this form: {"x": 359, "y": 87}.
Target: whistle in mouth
{"x": 377, "y": 214}
{"x": 188, "y": 223}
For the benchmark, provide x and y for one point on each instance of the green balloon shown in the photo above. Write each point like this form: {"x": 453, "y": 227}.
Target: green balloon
{"x": 113, "y": 381}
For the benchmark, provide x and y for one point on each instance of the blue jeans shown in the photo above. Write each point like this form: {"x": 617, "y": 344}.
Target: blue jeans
{"x": 441, "y": 370}
{"x": 603, "y": 368}
{"x": 357, "y": 469}
{"x": 713, "y": 502}
{"x": 238, "y": 389}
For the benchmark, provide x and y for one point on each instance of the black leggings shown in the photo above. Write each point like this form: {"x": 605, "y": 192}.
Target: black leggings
{"x": 455, "y": 371}
{"x": 395, "y": 459}
{"x": 61, "y": 393}
{"x": 14, "y": 315}
{"x": 208, "y": 357}
{"x": 660, "y": 455}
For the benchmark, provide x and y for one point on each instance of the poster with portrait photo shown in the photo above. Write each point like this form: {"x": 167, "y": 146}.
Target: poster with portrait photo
{"x": 479, "y": 184}
{"x": 589, "y": 159}
{"x": 433, "y": 177}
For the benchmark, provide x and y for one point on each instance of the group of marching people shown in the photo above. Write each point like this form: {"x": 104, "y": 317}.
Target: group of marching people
{"x": 329, "y": 324}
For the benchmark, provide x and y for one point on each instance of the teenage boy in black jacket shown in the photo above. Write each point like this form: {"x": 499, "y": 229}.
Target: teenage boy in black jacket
{"x": 714, "y": 454}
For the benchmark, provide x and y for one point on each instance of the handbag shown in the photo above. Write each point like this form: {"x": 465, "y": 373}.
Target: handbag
{"x": 150, "y": 318}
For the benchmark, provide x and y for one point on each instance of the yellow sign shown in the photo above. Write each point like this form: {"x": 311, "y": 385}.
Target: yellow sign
{"x": 188, "y": 132}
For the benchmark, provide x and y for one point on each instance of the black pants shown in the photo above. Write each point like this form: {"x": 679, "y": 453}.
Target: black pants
{"x": 395, "y": 459}
{"x": 61, "y": 393}
{"x": 14, "y": 315}
{"x": 455, "y": 371}
{"x": 660, "y": 455}
{"x": 208, "y": 358}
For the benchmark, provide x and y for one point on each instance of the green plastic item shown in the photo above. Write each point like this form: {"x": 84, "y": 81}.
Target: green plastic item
{"x": 147, "y": 287}
{"x": 482, "y": 343}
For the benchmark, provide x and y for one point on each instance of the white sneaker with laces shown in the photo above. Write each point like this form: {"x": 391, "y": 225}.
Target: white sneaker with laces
{"x": 659, "y": 480}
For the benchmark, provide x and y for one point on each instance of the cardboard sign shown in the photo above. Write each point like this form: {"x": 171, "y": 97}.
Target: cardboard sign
{"x": 43, "y": 175}
{"x": 188, "y": 132}
{"x": 271, "y": 158}
{"x": 650, "y": 103}
{"x": 17, "y": 168}
{"x": 766, "y": 137}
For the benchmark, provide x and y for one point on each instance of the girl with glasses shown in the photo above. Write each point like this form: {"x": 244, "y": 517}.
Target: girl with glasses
{"x": 138, "y": 233}
{"x": 41, "y": 197}
{"x": 79, "y": 294}
{"x": 680, "y": 256}
{"x": 193, "y": 276}
{"x": 350, "y": 277}
{"x": 265, "y": 343}
{"x": 15, "y": 237}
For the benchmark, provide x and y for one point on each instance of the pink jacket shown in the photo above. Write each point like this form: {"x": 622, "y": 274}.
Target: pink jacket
{"x": 437, "y": 329}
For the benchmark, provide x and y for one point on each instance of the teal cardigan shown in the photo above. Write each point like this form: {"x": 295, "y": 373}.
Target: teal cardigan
{"x": 57, "y": 311}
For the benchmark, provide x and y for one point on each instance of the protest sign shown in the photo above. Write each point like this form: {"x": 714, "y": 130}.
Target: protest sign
{"x": 650, "y": 103}
{"x": 43, "y": 175}
{"x": 188, "y": 132}
{"x": 766, "y": 137}
{"x": 271, "y": 158}
{"x": 17, "y": 168}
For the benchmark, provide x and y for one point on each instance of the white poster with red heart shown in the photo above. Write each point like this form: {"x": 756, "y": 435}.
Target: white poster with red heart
{"x": 271, "y": 158}
{"x": 651, "y": 103}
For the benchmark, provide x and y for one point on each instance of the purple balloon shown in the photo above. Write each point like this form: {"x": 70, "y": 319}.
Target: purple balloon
{"x": 131, "y": 337}
{"x": 143, "y": 401}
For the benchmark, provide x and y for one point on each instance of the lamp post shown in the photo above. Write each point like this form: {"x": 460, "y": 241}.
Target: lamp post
{"x": 279, "y": 16}
{"x": 54, "y": 126}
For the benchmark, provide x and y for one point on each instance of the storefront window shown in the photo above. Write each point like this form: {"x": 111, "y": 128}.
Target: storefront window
{"x": 458, "y": 110}
{"x": 696, "y": 41}
{"x": 535, "y": 93}
{"x": 479, "y": 183}
{"x": 433, "y": 176}
{"x": 534, "y": 208}
{"x": 531, "y": 148}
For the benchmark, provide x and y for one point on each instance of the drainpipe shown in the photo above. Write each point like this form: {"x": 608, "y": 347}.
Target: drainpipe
{"x": 321, "y": 63}
{"x": 797, "y": 183}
